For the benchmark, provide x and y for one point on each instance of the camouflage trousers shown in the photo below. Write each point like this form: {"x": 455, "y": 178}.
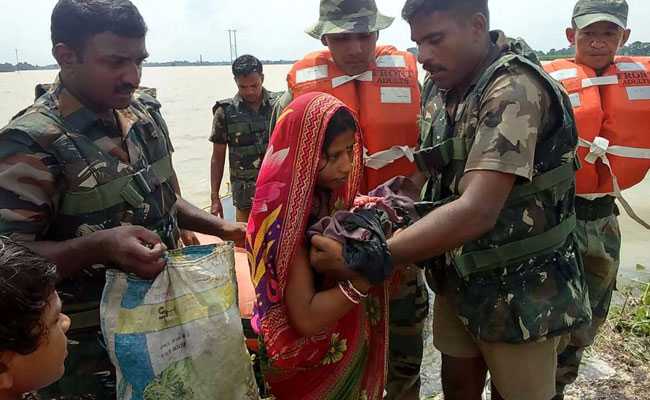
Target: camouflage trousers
{"x": 408, "y": 310}
{"x": 599, "y": 242}
{"x": 89, "y": 374}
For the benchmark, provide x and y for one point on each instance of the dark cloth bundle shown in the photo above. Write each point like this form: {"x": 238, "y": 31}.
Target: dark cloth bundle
{"x": 365, "y": 229}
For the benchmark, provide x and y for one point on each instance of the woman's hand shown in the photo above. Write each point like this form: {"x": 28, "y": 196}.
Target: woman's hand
{"x": 326, "y": 257}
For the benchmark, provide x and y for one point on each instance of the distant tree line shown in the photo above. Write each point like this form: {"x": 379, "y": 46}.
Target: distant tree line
{"x": 633, "y": 49}
{"x": 6, "y": 67}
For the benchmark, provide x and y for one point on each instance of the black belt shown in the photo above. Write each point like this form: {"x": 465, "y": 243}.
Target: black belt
{"x": 592, "y": 210}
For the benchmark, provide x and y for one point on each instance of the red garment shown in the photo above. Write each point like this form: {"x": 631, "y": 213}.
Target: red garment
{"x": 348, "y": 360}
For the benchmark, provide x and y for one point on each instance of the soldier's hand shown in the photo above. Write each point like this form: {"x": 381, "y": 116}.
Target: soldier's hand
{"x": 216, "y": 209}
{"x": 326, "y": 257}
{"x": 189, "y": 238}
{"x": 135, "y": 249}
{"x": 233, "y": 231}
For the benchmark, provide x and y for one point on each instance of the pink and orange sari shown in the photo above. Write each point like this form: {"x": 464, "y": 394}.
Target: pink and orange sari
{"x": 348, "y": 360}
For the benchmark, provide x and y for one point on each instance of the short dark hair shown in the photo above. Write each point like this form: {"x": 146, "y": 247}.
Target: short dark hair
{"x": 341, "y": 122}
{"x": 76, "y": 21}
{"x": 461, "y": 7}
{"x": 246, "y": 65}
{"x": 27, "y": 281}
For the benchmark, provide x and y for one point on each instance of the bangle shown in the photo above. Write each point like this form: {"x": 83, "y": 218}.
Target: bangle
{"x": 349, "y": 294}
{"x": 352, "y": 293}
{"x": 359, "y": 293}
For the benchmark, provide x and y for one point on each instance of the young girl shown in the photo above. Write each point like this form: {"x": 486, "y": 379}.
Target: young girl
{"x": 324, "y": 339}
{"x": 33, "y": 344}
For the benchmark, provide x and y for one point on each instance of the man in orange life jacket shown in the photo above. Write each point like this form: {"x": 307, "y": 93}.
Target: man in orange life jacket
{"x": 599, "y": 30}
{"x": 380, "y": 83}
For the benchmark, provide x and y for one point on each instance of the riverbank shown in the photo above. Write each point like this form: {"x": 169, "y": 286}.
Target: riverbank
{"x": 616, "y": 367}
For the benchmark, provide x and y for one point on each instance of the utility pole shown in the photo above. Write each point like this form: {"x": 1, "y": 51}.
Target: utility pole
{"x": 232, "y": 40}
{"x": 236, "y": 52}
{"x": 17, "y": 62}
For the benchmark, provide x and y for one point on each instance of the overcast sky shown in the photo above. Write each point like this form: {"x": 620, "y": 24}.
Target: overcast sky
{"x": 273, "y": 29}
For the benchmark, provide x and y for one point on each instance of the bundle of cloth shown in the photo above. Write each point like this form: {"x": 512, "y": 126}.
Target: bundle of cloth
{"x": 364, "y": 230}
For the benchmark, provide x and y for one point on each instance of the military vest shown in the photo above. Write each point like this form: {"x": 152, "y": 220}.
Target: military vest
{"x": 247, "y": 135}
{"x": 515, "y": 284}
{"x": 97, "y": 195}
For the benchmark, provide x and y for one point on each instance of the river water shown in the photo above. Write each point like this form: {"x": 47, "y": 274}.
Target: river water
{"x": 188, "y": 94}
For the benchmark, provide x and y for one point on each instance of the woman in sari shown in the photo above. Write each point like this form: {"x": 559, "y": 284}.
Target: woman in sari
{"x": 323, "y": 338}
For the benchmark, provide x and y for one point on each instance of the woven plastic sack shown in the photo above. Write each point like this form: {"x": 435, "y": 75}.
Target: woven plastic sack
{"x": 180, "y": 336}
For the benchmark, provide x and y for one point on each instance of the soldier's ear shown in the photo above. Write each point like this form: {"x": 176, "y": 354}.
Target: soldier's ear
{"x": 626, "y": 37}
{"x": 65, "y": 56}
{"x": 571, "y": 36}
{"x": 6, "y": 380}
{"x": 323, "y": 40}
{"x": 479, "y": 25}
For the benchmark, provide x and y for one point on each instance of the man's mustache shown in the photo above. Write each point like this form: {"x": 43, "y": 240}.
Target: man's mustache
{"x": 125, "y": 89}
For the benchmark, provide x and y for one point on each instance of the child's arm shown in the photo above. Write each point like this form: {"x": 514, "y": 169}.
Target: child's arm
{"x": 311, "y": 312}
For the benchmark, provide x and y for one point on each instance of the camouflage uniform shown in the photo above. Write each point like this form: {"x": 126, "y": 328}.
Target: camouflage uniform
{"x": 522, "y": 282}
{"x": 599, "y": 240}
{"x": 598, "y": 233}
{"x": 246, "y": 133}
{"x": 66, "y": 172}
{"x": 409, "y": 305}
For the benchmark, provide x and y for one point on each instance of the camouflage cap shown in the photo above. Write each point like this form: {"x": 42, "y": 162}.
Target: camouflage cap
{"x": 349, "y": 16}
{"x": 587, "y": 12}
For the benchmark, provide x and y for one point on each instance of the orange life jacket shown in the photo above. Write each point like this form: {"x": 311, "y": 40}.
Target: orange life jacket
{"x": 386, "y": 99}
{"x": 613, "y": 117}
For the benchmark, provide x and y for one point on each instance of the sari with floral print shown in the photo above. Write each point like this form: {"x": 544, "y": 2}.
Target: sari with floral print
{"x": 348, "y": 359}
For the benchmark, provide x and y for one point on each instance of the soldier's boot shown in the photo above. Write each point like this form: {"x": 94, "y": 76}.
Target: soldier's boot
{"x": 567, "y": 369}
{"x": 408, "y": 310}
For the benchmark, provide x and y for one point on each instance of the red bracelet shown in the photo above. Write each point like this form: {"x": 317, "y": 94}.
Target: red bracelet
{"x": 351, "y": 293}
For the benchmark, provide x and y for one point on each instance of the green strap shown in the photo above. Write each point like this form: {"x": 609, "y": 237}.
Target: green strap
{"x": 247, "y": 150}
{"x": 247, "y": 175}
{"x": 83, "y": 315}
{"x": 439, "y": 156}
{"x": 128, "y": 189}
{"x": 560, "y": 179}
{"x": 85, "y": 319}
{"x": 500, "y": 257}
{"x": 252, "y": 127}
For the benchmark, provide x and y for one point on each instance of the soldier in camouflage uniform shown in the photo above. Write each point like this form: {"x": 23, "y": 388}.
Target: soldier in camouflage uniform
{"x": 86, "y": 178}
{"x": 598, "y": 26}
{"x": 497, "y": 150}
{"x": 241, "y": 124}
{"x": 344, "y": 24}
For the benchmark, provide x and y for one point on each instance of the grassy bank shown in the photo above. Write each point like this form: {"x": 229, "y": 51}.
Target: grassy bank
{"x": 624, "y": 344}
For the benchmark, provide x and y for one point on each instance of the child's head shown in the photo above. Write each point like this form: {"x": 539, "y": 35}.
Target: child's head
{"x": 33, "y": 344}
{"x": 338, "y": 150}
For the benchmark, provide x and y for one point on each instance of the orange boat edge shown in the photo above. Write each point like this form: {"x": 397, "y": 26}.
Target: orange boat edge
{"x": 245, "y": 289}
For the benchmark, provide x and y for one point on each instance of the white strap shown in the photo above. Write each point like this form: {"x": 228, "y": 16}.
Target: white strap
{"x": 598, "y": 151}
{"x": 564, "y": 74}
{"x": 342, "y": 80}
{"x": 600, "y": 81}
{"x": 630, "y": 66}
{"x": 310, "y": 74}
{"x": 384, "y": 158}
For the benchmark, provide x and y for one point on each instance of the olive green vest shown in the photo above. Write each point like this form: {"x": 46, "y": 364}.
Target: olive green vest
{"x": 247, "y": 137}
{"x": 138, "y": 195}
{"x": 512, "y": 285}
